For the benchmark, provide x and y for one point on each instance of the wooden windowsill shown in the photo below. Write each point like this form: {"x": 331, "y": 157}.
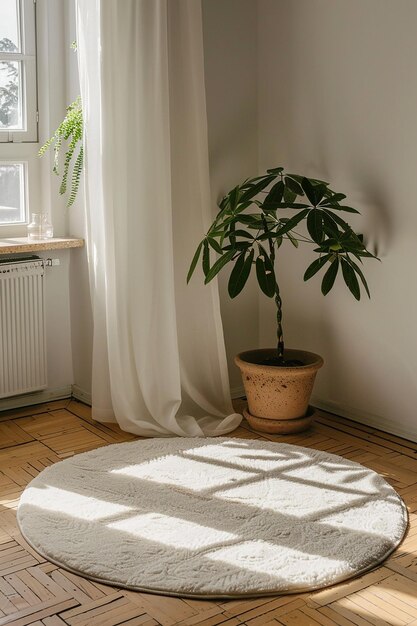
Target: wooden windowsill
{"x": 14, "y": 245}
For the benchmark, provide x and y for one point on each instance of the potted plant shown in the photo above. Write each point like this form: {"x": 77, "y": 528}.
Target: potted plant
{"x": 70, "y": 130}
{"x": 254, "y": 220}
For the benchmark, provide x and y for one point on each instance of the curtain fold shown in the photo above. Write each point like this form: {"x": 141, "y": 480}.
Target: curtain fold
{"x": 159, "y": 364}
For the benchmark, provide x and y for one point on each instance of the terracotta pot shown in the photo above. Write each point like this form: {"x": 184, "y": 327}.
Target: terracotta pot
{"x": 277, "y": 394}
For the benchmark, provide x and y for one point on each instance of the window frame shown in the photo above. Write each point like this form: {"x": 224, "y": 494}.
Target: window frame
{"x": 21, "y": 146}
{"x": 27, "y": 59}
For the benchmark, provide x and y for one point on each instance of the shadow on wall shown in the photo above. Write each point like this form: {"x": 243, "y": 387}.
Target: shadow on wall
{"x": 379, "y": 226}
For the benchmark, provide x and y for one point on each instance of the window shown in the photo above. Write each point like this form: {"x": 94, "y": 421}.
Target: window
{"x": 18, "y": 107}
{"x": 12, "y": 193}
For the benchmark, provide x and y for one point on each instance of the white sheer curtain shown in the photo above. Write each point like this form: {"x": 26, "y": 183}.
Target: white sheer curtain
{"x": 159, "y": 365}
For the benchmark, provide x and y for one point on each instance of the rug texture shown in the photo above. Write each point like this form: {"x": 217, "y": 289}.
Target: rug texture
{"x": 212, "y": 517}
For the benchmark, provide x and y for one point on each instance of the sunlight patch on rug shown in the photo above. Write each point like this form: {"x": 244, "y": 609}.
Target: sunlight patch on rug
{"x": 212, "y": 517}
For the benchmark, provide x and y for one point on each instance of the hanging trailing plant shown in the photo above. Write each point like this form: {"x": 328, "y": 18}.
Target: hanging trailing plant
{"x": 69, "y": 133}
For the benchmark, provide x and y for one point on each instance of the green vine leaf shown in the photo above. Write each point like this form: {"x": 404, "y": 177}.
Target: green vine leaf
{"x": 69, "y": 132}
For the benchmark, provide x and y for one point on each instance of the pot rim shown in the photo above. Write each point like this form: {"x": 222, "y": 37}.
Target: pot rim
{"x": 243, "y": 359}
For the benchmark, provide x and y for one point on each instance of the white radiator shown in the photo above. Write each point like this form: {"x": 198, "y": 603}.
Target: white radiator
{"x": 22, "y": 327}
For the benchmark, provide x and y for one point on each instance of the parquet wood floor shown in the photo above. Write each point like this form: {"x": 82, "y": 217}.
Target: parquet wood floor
{"x": 34, "y": 592}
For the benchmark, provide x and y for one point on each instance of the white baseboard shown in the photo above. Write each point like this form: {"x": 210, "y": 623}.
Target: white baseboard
{"x": 37, "y": 397}
{"x": 368, "y": 419}
{"x": 81, "y": 395}
{"x": 362, "y": 417}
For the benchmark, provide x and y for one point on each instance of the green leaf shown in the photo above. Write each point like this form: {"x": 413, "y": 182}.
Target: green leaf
{"x": 269, "y": 235}
{"x": 309, "y": 190}
{"x": 351, "y": 238}
{"x": 70, "y": 130}
{"x": 233, "y": 197}
{"x": 240, "y": 274}
{"x": 313, "y": 181}
{"x": 338, "y": 220}
{"x": 242, "y": 206}
{"x": 224, "y": 202}
{"x": 316, "y": 266}
{"x": 361, "y": 276}
{"x": 293, "y": 240}
{"x": 254, "y": 219}
{"x": 215, "y": 232}
{"x": 265, "y": 275}
{"x": 313, "y": 192}
{"x": 231, "y": 233}
{"x": 330, "y": 277}
{"x": 350, "y": 246}
{"x": 274, "y": 196}
{"x": 316, "y": 181}
{"x": 206, "y": 257}
{"x": 239, "y": 245}
{"x": 229, "y": 220}
{"x": 254, "y": 189}
{"x": 194, "y": 261}
{"x": 243, "y": 233}
{"x": 214, "y": 244}
{"x": 294, "y": 186}
{"x": 291, "y": 205}
{"x": 329, "y": 225}
{"x": 292, "y": 223}
{"x": 332, "y": 199}
{"x": 76, "y": 177}
{"x": 348, "y": 209}
{"x": 315, "y": 225}
{"x": 248, "y": 182}
{"x": 366, "y": 253}
{"x": 350, "y": 279}
{"x": 219, "y": 264}
{"x": 320, "y": 191}
{"x": 289, "y": 196}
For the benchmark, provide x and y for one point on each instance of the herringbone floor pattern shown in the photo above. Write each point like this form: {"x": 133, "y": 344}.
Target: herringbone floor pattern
{"x": 37, "y": 593}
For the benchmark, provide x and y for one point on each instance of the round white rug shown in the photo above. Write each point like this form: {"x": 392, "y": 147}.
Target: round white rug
{"x": 212, "y": 517}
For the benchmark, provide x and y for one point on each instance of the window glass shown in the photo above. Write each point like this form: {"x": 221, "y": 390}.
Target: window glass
{"x": 10, "y": 95}
{"x": 12, "y": 204}
{"x": 9, "y": 26}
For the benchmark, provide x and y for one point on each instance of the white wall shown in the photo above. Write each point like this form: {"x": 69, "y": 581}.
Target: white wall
{"x": 58, "y": 329}
{"x": 338, "y": 100}
{"x": 230, "y": 52}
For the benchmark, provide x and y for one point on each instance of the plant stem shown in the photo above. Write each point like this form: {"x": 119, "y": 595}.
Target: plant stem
{"x": 280, "y": 336}
{"x": 278, "y": 301}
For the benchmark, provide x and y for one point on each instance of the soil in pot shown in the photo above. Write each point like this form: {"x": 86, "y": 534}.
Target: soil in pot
{"x": 279, "y": 362}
